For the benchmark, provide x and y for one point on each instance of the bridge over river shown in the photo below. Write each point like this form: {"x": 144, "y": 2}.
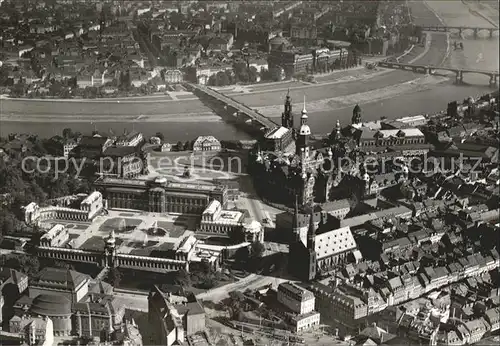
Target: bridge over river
{"x": 460, "y": 29}
{"x": 239, "y": 110}
{"x": 459, "y": 72}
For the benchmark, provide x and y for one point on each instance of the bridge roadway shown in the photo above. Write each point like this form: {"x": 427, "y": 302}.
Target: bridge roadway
{"x": 460, "y": 29}
{"x": 240, "y": 107}
{"x": 432, "y": 70}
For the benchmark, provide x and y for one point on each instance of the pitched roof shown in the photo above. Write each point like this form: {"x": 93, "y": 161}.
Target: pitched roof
{"x": 120, "y": 151}
{"x": 334, "y": 242}
{"x": 60, "y": 277}
{"x": 90, "y": 141}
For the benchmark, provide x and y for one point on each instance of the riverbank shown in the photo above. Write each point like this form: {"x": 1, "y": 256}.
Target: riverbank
{"x": 422, "y": 96}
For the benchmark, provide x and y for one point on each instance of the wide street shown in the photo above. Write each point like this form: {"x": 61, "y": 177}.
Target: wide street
{"x": 139, "y": 302}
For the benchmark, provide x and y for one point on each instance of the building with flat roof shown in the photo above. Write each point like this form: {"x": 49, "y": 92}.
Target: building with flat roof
{"x": 160, "y": 195}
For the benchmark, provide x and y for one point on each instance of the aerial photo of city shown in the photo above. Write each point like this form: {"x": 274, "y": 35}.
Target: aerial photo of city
{"x": 268, "y": 173}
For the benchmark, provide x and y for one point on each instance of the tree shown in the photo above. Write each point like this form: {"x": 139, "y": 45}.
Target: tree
{"x": 180, "y": 147}
{"x": 257, "y": 249}
{"x": 62, "y": 265}
{"x": 160, "y": 136}
{"x": 252, "y": 74}
{"x": 26, "y": 264}
{"x": 222, "y": 79}
{"x": 187, "y": 146}
{"x": 212, "y": 80}
{"x": 115, "y": 276}
{"x": 234, "y": 307}
{"x": 275, "y": 73}
{"x": 55, "y": 88}
{"x": 182, "y": 278}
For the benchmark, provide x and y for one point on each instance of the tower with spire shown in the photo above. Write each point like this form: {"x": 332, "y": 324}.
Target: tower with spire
{"x": 356, "y": 115}
{"x": 299, "y": 224}
{"x": 336, "y": 132}
{"x": 302, "y": 144}
{"x": 302, "y": 258}
{"x": 287, "y": 116}
{"x": 311, "y": 248}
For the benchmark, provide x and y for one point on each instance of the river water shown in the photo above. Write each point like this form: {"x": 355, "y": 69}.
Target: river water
{"x": 481, "y": 53}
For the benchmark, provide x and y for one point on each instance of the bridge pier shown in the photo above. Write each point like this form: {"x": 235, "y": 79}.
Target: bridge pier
{"x": 493, "y": 81}
{"x": 459, "y": 77}
{"x": 491, "y": 33}
{"x": 475, "y": 32}
{"x": 460, "y": 32}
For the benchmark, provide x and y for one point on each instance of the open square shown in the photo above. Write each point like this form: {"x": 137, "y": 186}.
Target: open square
{"x": 120, "y": 225}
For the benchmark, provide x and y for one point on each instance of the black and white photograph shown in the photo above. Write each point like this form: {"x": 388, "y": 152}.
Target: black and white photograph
{"x": 249, "y": 173}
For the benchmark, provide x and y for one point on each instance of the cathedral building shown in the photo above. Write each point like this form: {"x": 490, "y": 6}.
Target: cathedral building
{"x": 299, "y": 169}
{"x": 317, "y": 172}
{"x": 318, "y": 249}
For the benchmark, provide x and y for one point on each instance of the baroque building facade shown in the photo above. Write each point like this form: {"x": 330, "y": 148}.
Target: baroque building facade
{"x": 328, "y": 169}
{"x": 305, "y": 169}
{"x": 159, "y": 195}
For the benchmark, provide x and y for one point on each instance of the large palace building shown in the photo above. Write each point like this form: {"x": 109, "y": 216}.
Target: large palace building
{"x": 159, "y": 195}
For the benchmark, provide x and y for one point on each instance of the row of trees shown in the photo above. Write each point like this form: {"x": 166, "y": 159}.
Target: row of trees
{"x": 188, "y": 145}
{"x": 61, "y": 90}
{"x": 242, "y": 74}
{"x": 28, "y": 183}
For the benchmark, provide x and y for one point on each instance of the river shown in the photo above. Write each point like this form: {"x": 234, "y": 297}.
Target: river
{"x": 481, "y": 53}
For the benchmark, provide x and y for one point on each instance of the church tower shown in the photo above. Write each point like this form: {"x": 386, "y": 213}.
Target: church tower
{"x": 287, "y": 116}
{"x": 302, "y": 145}
{"x": 311, "y": 247}
{"x": 356, "y": 115}
{"x": 299, "y": 227}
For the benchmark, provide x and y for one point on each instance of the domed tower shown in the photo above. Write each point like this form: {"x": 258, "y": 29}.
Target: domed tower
{"x": 336, "y": 132}
{"x": 302, "y": 145}
{"x": 356, "y": 115}
{"x": 471, "y": 106}
{"x": 110, "y": 249}
{"x": 286, "y": 116}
